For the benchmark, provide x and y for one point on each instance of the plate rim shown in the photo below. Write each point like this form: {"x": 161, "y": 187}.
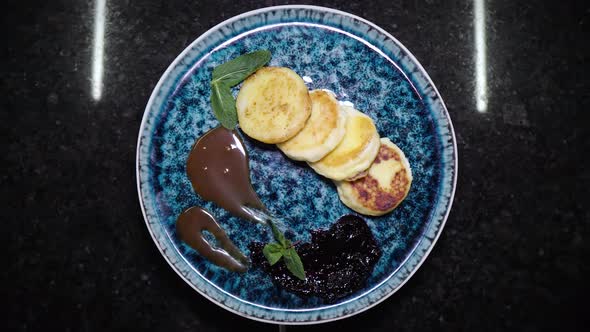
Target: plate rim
{"x": 419, "y": 68}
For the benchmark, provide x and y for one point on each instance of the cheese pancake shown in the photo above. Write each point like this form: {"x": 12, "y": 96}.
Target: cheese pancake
{"x": 356, "y": 151}
{"x": 273, "y": 105}
{"x": 323, "y": 131}
{"x": 385, "y": 186}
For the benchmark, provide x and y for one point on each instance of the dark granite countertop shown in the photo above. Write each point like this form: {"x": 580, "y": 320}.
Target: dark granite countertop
{"x": 515, "y": 251}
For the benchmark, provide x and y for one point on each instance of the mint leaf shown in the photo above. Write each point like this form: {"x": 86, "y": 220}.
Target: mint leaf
{"x": 224, "y": 105}
{"x": 273, "y": 252}
{"x": 280, "y": 237}
{"x": 235, "y": 71}
{"x": 286, "y": 249}
{"x": 293, "y": 262}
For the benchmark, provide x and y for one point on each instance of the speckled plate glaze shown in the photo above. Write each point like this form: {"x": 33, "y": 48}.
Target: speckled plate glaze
{"x": 332, "y": 50}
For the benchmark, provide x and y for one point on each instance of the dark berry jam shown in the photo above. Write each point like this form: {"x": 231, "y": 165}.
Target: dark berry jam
{"x": 337, "y": 262}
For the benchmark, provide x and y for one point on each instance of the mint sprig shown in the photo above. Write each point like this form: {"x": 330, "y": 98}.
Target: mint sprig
{"x": 224, "y": 105}
{"x": 273, "y": 252}
{"x": 284, "y": 249}
{"x": 228, "y": 75}
{"x": 233, "y": 72}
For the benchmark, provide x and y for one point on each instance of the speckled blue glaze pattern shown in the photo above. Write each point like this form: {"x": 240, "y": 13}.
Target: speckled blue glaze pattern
{"x": 334, "y": 51}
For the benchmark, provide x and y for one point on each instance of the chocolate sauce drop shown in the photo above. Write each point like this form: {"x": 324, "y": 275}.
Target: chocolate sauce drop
{"x": 190, "y": 226}
{"x": 218, "y": 169}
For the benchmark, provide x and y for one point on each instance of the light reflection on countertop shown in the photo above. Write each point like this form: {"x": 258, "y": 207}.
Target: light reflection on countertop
{"x": 481, "y": 78}
{"x": 98, "y": 49}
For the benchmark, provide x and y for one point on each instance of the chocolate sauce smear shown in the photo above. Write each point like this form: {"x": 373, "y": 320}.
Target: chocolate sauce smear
{"x": 218, "y": 169}
{"x": 338, "y": 261}
{"x": 190, "y": 226}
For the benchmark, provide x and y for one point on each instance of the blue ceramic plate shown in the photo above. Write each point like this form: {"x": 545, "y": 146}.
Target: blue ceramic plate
{"x": 332, "y": 50}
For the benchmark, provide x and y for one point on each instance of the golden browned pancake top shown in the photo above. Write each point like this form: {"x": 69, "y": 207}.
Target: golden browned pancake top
{"x": 360, "y": 131}
{"x": 383, "y": 197}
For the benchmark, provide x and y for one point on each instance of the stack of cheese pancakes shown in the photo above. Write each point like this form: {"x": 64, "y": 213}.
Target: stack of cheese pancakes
{"x": 372, "y": 174}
